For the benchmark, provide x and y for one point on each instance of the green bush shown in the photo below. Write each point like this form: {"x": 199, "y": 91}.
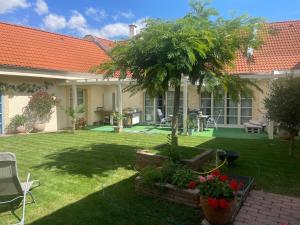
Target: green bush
{"x": 182, "y": 177}
{"x": 18, "y": 120}
{"x": 151, "y": 175}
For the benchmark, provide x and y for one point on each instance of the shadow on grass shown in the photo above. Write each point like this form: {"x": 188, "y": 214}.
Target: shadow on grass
{"x": 91, "y": 160}
{"x": 118, "y": 204}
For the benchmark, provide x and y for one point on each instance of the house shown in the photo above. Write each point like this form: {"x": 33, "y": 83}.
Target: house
{"x": 62, "y": 63}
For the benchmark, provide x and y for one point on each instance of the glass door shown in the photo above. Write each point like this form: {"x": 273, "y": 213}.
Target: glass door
{"x": 149, "y": 109}
{"x": 218, "y": 108}
{"x": 246, "y": 109}
{"x": 231, "y": 111}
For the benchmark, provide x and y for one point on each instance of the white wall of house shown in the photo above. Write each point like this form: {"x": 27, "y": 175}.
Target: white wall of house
{"x": 15, "y": 102}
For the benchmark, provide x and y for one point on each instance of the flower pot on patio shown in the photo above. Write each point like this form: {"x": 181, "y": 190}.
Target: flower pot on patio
{"x": 38, "y": 127}
{"x": 20, "y": 129}
{"x": 217, "y": 216}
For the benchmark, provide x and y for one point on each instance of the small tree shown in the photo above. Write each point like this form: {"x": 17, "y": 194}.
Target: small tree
{"x": 73, "y": 114}
{"x": 283, "y": 106}
{"x": 199, "y": 46}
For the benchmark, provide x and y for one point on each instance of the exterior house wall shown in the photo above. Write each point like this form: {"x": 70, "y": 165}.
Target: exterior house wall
{"x": 258, "y": 108}
{"x": 15, "y": 102}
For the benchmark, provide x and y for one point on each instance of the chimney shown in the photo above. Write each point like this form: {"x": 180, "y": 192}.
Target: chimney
{"x": 132, "y": 30}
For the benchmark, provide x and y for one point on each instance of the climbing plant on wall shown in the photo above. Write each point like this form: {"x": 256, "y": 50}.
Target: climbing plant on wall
{"x": 6, "y": 88}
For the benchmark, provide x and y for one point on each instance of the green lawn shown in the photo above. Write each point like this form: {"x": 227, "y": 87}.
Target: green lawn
{"x": 87, "y": 178}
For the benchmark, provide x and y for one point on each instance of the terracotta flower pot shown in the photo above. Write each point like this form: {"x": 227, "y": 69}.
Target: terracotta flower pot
{"x": 38, "y": 127}
{"x": 20, "y": 129}
{"x": 217, "y": 216}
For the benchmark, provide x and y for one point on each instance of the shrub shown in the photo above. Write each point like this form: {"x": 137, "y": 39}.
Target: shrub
{"x": 40, "y": 105}
{"x": 18, "y": 120}
{"x": 80, "y": 123}
{"x": 151, "y": 175}
{"x": 182, "y": 177}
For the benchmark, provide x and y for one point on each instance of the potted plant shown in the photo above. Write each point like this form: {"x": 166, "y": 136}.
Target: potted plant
{"x": 217, "y": 197}
{"x": 18, "y": 123}
{"x": 73, "y": 114}
{"x": 119, "y": 117}
{"x": 191, "y": 126}
{"x": 40, "y": 108}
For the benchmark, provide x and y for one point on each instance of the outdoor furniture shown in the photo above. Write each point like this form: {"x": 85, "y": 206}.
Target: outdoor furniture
{"x": 252, "y": 128}
{"x": 13, "y": 193}
{"x": 201, "y": 122}
{"x": 163, "y": 120}
{"x": 212, "y": 121}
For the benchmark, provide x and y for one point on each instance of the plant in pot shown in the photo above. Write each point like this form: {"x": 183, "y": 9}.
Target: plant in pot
{"x": 119, "y": 118}
{"x": 73, "y": 115}
{"x": 191, "y": 126}
{"x": 217, "y": 197}
{"x": 40, "y": 108}
{"x": 18, "y": 123}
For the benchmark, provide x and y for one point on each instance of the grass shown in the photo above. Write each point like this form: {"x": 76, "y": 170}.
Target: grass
{"x": 184, "y": 152}
{"x": 88, "y": 178}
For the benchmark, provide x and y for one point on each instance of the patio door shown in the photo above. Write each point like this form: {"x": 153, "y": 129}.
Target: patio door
{"x": 1, "y": 114}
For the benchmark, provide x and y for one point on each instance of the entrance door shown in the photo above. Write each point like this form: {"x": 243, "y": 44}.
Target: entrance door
{"x": 1, "y": 114}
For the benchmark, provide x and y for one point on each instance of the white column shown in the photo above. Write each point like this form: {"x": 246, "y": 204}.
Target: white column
{"x": 74, "y": 96}
{"x": 185, "y": 104}
{"x": 120, "y": 102}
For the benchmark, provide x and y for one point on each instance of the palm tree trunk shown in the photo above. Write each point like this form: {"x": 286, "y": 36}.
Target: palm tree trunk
{"x": 175, "y": 115}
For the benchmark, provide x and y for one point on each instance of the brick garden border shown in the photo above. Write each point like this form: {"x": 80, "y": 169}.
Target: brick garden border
{"x": 145, "y": 158}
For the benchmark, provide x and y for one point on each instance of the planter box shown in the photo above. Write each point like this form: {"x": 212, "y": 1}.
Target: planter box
{"x": 145, "y": 158}
{"x": 189, "y": 197}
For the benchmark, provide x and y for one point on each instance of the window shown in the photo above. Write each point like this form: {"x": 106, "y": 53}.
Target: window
{"x": 149, "y": 109}
{"x": 170, "y": 102}
{"x": 218, "y": 107}
{"x": 206, "y": 103}
{"x": 246, "y": 109}
{"x": 80, "y": 97}
{"x": 231, "y": 110}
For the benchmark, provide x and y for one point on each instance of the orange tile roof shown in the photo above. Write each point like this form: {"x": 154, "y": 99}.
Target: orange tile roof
{"x": 280, "y": 51}
{"x": 27, "y": 47}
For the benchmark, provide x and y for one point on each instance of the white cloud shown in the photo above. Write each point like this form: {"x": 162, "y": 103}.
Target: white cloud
{"x": 120, "y": 29}
{"x": 96, "y": 14}
{"x": 41, "y": 7}
{"x": 126, "y": 15}
{"x": 54, "y": 22}
{"x": 7, "y": 6}
{"x": 77, "y": 21}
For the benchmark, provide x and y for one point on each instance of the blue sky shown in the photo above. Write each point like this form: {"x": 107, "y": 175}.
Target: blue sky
{"x": 110, "y": 18}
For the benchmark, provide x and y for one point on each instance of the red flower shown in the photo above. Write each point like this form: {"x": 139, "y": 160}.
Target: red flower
{"x": 216, "y": 173}
{"x": 223, "y": 178}
{"x": 233, "y": 184}
{"x": 223, "y": 203}
{"x": 192, "y": 184}
{"x": 213, "y": 202}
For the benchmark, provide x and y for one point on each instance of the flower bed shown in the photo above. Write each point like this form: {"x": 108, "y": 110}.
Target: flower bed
{"x": 169, "y": 192}
{"x": 145, "y": 158}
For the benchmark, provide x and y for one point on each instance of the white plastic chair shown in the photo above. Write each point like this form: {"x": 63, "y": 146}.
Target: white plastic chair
{"x": 13, "y": 193}
{"x": 212, "y": 121}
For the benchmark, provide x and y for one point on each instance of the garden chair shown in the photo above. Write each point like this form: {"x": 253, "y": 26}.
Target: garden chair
{"x": 212, "y": 121}
{"x": 163, "y": 120}
{"x": 13, "y": 193}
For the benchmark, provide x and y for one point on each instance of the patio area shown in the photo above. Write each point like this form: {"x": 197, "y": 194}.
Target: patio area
{"x": 209, "y": 132}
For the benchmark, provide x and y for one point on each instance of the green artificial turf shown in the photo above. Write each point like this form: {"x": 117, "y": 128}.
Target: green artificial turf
{"x": 209, "y": 132}
{"x": 88, "y": 177}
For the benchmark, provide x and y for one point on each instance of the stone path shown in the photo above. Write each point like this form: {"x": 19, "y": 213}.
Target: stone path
{"x": 261, "y": 208}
